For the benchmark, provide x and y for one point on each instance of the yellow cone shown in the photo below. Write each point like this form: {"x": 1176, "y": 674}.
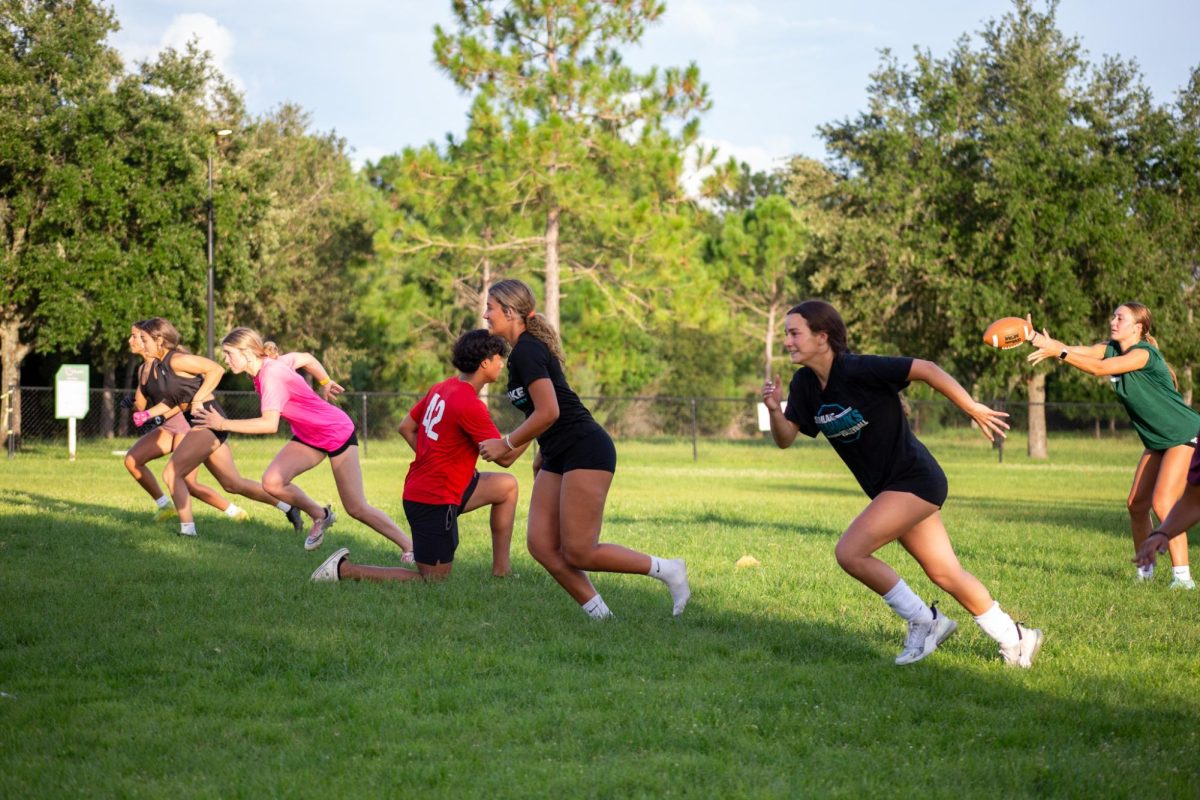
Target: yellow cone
{"x": 747, "y": 561}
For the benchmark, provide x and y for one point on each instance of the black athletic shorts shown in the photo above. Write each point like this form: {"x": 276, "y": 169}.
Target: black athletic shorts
{"x": 211, "y": 405}
{"x": 434, "y": 531}
{"x": 591, "y": 451}
{"x": 926, "y": 480}
{"x": 343, "y": 447}
{"x": 470, "y": 490}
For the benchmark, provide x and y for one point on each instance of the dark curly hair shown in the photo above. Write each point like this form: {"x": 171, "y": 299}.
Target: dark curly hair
{"x": 475, "y": 347}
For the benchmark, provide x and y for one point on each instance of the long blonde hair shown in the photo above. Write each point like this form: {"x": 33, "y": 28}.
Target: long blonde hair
{"x": 248, "y": 339}
{"x": 517, "y": 298}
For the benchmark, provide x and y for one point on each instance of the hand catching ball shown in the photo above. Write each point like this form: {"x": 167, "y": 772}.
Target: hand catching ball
{"x": 1007, "y": 333}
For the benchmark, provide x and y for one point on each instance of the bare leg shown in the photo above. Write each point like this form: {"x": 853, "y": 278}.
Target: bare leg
{"x": 499, "y": 490}
{"x": 581, "y": 514}
{"x": 362, "y": 572}
{"x": 294, "y": 459}
{"x": 347, "y": 474}
{"x": 543, "y": 538}
{"x": 189, "y": 454}
{"x": 152, "y": 445}
{"x": 197, "y": 489}
{"x": 1172, "y": 478}
{"x": 220, "y": 464}
{"x": 929, "y": 544}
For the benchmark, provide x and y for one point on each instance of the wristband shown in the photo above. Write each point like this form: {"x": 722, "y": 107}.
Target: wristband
{"x": 1063, "y": 355}
{"x": 508, "y": 442}
{"x": 324, "y": 382}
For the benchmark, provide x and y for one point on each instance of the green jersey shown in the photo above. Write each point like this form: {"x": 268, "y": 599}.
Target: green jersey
{"x": 1155, "y": 407}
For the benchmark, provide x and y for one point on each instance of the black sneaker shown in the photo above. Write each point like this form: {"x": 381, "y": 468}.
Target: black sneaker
{"x": 296, "y": 517}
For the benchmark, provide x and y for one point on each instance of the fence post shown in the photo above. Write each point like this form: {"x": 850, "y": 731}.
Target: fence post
{"x": 998, "y": 443}
{"x": 8, "y": 417}
{"x": 364, "y": 424}
{"x": 695, "y": 455}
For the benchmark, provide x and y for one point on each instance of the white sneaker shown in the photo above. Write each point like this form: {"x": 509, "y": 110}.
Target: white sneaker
{"x": 328, "y": 571}
{"x": 317, "y": 534}
{"x": 925, "y": 637}
{"x": 1183, "y": 583}
{"x": 1025, "y": 650}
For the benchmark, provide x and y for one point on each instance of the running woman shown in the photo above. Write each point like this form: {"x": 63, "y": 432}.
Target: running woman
{"x": 184, "y": 383}
{"x": 574, "y": 466}
{"x": 319, "y": 429}
{"x": 162, "y": 435}
{"x": 854, "y": 400}
{"x": 445, "y": 429}
{"x": 1167, "y": 426}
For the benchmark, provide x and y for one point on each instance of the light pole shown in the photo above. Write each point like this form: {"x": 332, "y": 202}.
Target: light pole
{"x": 211, "y": 272}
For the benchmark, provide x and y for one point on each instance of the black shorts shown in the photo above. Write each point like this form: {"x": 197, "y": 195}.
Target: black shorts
{"x": 470, "y": 490}
{"x": 926, "y": 481}
{"x": 434, "y": 531}
{"x": 343, "y": 447}
{"x": 211, "y": 405}
{"x": 591, "y": 451}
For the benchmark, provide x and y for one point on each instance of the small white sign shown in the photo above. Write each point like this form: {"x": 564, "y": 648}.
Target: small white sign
{"x": 71, "y": 391}
{"x": 764, "y": 416}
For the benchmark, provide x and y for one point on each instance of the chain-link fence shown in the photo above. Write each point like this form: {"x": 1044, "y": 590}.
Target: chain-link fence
{"x": 377, "y": 415}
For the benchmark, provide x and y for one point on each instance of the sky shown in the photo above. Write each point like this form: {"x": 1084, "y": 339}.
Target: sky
{"x": 776, "y": 69}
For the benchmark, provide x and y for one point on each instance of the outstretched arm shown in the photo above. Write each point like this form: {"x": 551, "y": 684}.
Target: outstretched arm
{"x": 991, "y": 422}
{"x": 1086, "y": 358}
{"x": 1183, "y": 515}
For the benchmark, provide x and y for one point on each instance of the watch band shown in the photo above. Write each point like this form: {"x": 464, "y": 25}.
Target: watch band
{"x": 1063, "y": 355}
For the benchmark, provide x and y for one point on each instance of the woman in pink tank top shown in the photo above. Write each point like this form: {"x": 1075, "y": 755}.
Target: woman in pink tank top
{"x": 319, "y": 429}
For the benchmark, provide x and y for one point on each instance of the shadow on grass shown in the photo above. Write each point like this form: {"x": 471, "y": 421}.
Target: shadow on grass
{"x": 143, "y": 663}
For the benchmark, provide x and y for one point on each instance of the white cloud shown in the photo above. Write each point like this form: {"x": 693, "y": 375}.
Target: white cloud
{"x": 210, "y": 35}
{"x": 760, "y": 159}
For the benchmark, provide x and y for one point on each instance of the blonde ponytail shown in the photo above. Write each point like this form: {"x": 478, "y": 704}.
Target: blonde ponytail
{"x": 516, "y": 298}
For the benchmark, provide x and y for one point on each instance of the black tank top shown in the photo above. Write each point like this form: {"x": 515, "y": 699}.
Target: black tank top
{"x": 164, "y": 386}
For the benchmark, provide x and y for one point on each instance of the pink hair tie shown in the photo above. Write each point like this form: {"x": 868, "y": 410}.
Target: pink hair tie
{"x": 531, "y": 315}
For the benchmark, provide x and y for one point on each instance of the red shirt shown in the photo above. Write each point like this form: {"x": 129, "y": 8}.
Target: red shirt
{"x": 451, "y": 422}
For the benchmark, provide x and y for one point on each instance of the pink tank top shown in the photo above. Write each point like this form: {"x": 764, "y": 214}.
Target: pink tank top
{"x": 314, "y": 422}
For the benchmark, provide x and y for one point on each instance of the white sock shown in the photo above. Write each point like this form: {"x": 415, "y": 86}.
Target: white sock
{"x": 904, "y": 601}
{"x": 284, "y": 507}
{"x": 997, "y": 624}
{"x": 1146, "y": 572}
{"x": 187, "y": 528}
{"x": 1183, "y": 573}
{"x": 232, "y": 511}
{"x": 596, "y": 609}
{"x": 163, "y": 501}
{"x": 672, "y": 572}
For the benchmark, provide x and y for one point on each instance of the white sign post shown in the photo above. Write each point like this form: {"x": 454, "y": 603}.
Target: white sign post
{"x": 71, "y": 397}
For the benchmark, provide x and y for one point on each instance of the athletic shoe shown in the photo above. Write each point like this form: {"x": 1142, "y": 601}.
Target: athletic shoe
{"x": 1183, "y": 583}
{"x": 1140, "y": 578}
{"x": 925, "y": 637}
{"x": 407, "y": 558}
{"x": 328, "y": 571}
{"x": 677, "y": 582}
{"x": 1022, "y": 654}
{"x": 240, "y": 516}
{"x": 165, "y": 513}
{"x": 193, "y": 534}
{"x": 317, "y": 534}
{"x": 295, "y": 516}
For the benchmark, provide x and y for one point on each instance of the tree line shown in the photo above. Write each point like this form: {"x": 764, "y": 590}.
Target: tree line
{"x": 1010, "y": 175}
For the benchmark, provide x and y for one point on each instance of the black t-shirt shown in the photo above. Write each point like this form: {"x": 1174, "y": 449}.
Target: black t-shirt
{"x": 860, "y": 414}
{"x": 529, "y": 361}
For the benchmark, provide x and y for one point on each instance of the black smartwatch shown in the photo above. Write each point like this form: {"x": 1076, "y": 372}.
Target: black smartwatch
{"x": 1063, "y": 355}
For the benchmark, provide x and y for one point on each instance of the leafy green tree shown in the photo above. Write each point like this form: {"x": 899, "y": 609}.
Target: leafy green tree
{"x": 53, "y": 62}
{"x": 587, "y": 141}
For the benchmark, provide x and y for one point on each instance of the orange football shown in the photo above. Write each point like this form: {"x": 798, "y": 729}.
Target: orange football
{"x": 1007, "y": 333}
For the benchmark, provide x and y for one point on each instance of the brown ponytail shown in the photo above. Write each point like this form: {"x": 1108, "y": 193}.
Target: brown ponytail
{"x": 516, "y": 298}
{"x": 249, "y": 339}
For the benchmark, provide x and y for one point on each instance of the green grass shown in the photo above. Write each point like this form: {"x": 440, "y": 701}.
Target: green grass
{"x": 135, "y": 663}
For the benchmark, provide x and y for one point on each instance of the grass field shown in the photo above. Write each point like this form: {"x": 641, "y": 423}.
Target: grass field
{"x": 136, "y": 663}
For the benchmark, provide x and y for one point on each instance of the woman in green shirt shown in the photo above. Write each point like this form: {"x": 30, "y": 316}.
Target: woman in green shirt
{"x": 1167, "y": 426}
